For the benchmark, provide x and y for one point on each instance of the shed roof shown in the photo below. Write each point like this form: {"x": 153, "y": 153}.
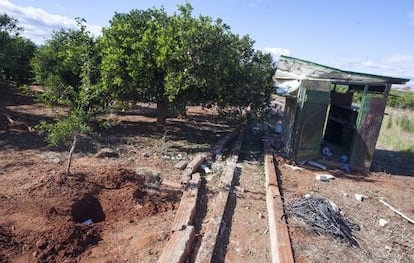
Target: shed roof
{"x": 290, "y": 68}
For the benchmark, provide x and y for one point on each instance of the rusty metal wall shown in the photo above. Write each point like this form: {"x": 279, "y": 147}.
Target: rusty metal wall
{"x": 368, "y": 127}
{"x": 310, "y": 120}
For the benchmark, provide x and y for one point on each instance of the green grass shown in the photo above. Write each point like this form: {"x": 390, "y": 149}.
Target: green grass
{"x": 397, "y": 132}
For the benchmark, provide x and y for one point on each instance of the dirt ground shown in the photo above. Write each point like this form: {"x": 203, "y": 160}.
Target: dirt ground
{"x": 391, "y": 243}
{"x": 42, "y": 214}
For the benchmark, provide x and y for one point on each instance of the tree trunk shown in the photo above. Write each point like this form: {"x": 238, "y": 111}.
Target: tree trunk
{"x": 162, "y": 112}
{"x": 72, "y": 149}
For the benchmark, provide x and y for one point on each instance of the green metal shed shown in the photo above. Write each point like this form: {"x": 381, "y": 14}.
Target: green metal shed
{"x": 320, "y": 113}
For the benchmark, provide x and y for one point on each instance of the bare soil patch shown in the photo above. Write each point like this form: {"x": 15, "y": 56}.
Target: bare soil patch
{"x": 45, "y": 218}
{"x": 109, "y": 209}
{"x": 391, "y": 243}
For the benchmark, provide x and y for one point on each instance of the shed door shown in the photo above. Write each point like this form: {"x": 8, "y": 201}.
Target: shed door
{"x": 368, "y": 127}
{"x": 310, "y": 120}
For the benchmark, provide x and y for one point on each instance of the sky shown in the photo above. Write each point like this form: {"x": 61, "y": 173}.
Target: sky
{"x": 370, "y": 36}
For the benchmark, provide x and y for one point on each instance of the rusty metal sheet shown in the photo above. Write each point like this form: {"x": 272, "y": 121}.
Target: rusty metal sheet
{"x": 290, "y": 68}
{"x": 368, "y": 128}
{"x": 310, "y": 120}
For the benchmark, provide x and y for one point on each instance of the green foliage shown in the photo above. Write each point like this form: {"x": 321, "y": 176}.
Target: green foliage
{"x": 400, "y": 99}
{"x": 9, "y": 24}
{"x": 389, "y": 123}
{"x": 15, "y": 55}
{"x": 67, "y": 68}
{"x": 59, "y": 64}
{"x": 406, "y": 124}
{"x": 152, "y": 56}
{"x": 397, "y": 132}
{"x": 396, "y": 99}
{"x": 61, "y": 132}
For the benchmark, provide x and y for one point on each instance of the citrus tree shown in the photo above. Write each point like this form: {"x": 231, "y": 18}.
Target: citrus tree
{"x": 15, "y": 55}
{"x": 175, "y": 59}
{"x": 67, "y": 69}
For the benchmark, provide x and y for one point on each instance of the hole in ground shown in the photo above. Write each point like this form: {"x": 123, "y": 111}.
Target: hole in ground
{"x": 86, "y": 208}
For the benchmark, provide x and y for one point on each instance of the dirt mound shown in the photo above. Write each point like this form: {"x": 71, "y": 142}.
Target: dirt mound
{"x": 118, "y": 177}
{"x": 60, "y": 217}
{"x": 63, "y": 242}
{"x": 130, "y": 197}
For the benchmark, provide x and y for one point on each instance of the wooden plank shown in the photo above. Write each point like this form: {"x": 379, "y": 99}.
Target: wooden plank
{"x": 192, "y": 167}
{"x": 208, "y": 243}
{"x": 279, "y": 235}
{"x": 226, "y": 178}
{"x": 181, "y": 164}
{"x": 219, "y": 204}
{"x": 269, "y": 165}
{"x": 221, "y": 144}
{"x": 178, "y": 247}
{"x": 280, "y": 245}
{"x": 187, "y": 208}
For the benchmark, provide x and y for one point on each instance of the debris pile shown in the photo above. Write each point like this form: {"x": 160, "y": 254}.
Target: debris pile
{"x": 323, "y": 216}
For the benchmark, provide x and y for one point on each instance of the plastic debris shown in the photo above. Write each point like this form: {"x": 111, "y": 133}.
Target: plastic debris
{"x": 398, "y": 212}
{"x": 383, "y": 222}
{"x": 205, "y": 168}
{"x": 324, "y": 177}
{"x": 360, "y": 197}
{"x": 326, "y": 151}
{"x": 278, "y": 127}
{"x": 318, "y": 165}
{"x": 324, "y": 217}
{"x": 343, "y": 159}
{"x": 255, "y": 130}
{"x": 346, "y": 167}
{"x": 87, "y": 222}
{"x": 293, "y": 167}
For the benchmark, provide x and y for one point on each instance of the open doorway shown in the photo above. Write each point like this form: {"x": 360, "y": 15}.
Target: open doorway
{"x": 341, "y": 124}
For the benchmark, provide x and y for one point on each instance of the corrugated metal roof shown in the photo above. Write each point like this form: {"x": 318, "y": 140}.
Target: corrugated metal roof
{"x": 290, "y": 68}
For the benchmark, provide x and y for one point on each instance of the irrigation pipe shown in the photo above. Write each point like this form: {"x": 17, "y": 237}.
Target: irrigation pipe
{"x": 398, "y": 212}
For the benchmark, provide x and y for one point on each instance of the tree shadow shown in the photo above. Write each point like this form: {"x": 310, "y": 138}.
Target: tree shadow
{"x": 20, "y": 134}
{"x": 17, "y": 99}
{"x": 198, "y": 128}
{"x": 201, "y": 212}
{"x": 223, "y": 237}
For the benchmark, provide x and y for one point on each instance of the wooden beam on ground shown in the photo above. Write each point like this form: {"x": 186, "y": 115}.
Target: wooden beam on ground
{"x": 215, "y": 225}
{"x": 192, "y": 167}
{"x": 171, "y": 184}
{"x": 280, "y": 245}
{"x": 210, "y": 237}
{"x": 187, "y": 208}
{"x": 178, "y": 247}
{"x": 221, "y": 144}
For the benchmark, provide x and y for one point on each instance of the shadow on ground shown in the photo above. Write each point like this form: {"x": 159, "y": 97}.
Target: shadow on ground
{"x": 395, "y": 163}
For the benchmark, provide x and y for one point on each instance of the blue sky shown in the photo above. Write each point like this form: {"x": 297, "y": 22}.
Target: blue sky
{"x": 372, "y": 36}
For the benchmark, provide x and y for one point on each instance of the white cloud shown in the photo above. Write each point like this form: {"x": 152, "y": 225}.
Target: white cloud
{"x": 38, "y": 24}
{"x": 398, "y": 65}
{"x": 276, "y": 52}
